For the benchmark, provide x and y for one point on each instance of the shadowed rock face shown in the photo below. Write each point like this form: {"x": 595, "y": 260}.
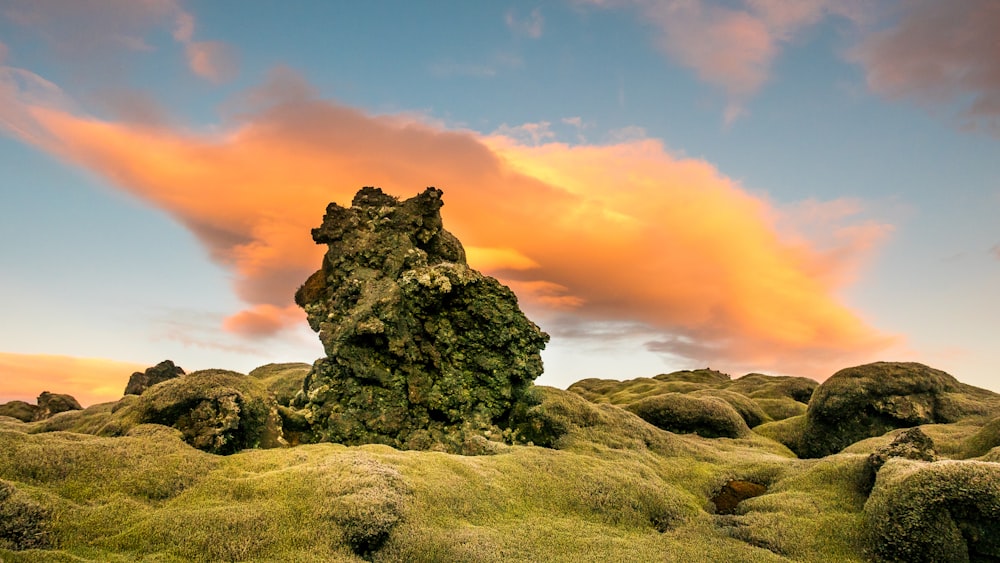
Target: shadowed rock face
{"x": 55, "y": 403}
{"x": 421, "y": 349}
{"x": 142, "y": 380}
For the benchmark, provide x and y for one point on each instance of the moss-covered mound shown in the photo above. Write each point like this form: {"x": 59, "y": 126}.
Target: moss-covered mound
{"x": 25, "y": 412}
{"x": 870, "y": 400}
{"x": 707, "y": 376}
{"x": 24, "y": 524}
{"x": 933, "y": 512}
{"x": 761, "y": 386}
{"x": 422, "y": 351}
{"x": 284, "y": 381}
{"x": 911, "y": 443}
{"x": 675, "y": 412}
{"x": 217, "y": 411}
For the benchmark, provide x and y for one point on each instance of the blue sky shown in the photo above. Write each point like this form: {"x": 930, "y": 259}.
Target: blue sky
{"x": 826, "y": 168}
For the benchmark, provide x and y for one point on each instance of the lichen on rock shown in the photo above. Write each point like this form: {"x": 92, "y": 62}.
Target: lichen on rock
{"x": 421, "y": 350}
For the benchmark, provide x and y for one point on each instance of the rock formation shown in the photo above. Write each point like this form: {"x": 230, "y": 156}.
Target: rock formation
{"x": 140, "y": 381}
{"x": 709, "y": 417}
{"x": 870, "y": 400}
{"x": 421, "y": 350}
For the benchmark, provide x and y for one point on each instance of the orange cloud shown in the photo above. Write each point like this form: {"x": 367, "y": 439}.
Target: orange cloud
{"x": 940, "y": 53}
{"x": 89, "y": 380}
{"x": 623, "y": 233}
{"x": 211, "y": 60}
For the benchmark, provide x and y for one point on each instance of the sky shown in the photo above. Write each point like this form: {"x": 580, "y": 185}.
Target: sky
{"x": 781, "y": 186}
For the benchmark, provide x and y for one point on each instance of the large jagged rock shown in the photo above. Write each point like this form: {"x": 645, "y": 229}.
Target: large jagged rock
{"x": 142, "y": 380}
{"x": 422, "y": 351}
{"x": 870, "y": 400}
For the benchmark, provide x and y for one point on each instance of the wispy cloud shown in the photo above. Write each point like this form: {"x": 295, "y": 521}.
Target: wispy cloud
{"x": 91, "y": 29}
{"x": 996, "y": 251}
{"x": 940, "y": 54}
{"x": 531, "y": 25}
{"x": 618, "y": 233}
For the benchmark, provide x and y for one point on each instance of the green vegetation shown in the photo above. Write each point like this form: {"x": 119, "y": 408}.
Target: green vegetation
{"x": 106, "y": 484}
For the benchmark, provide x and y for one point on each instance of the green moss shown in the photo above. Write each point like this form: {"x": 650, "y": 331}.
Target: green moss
{"x": 760, "y": 386}
{"x": 708, "y": 417}
{"x": 984, "y": 440}
{"x": 942, "y": 511}
{"x": 751, "y": 412}
{"x": 787, "y": 431}
{"x": 284, "y": 381}
{"x": 24, "y": 524}
{"x": 780, "y": 409}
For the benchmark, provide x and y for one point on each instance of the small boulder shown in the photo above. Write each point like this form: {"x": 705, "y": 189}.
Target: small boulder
{"x": 683, "y": 414}
{"x": 217, "y": 411}
{"x": 751, "y": 412}
{"x": 25, "y": 412}
{"x": 142, "y": 380}
{"x": 54, "y": 403}
{"x": 911, "y": 443}
{"x": 931, "y": 512}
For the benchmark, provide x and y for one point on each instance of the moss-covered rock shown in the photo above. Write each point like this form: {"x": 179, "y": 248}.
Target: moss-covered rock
{"x": 870, "y": 400}
{"x": 24, "y": 524}
{"x": 217, "y": 411}
{"x": 984, "y": 440}
{"x": 932, "y": 512}
{"x": 284, "y": 381}
{"x": 683, "y": 414}
{"x": 911, "y": 443}
{"x": 787, "y": 431}
{"x": 421, "y": 349}
{"x": 25, "y": 412}
{"x": 142, "y": 380}
{"x": 780, "y": 409}
{"x": 50, "y": 404}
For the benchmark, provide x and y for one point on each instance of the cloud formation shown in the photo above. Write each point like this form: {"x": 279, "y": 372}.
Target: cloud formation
{"x": 940, "y": 53}
{"x": 623, "y": 233}
{"x": 531, "y": 25}
{"x": 89, "y": 380}
{"x": 92, "y": 29}
{"x": 730, "y": 45}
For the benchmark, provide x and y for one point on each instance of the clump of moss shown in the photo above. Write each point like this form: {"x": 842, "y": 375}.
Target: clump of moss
{"x": 780, "y": 409}
{"x": 24, "y": 524}
{"x": 984, "y": 440}
{"x": 872, "y": 399}
{"x": 422, "y": 351}
{"x": 929, "y": 512}
{"x": 217, "y": 411}
{"x": 787, "y": 431}
{"x": 707, "y": 417}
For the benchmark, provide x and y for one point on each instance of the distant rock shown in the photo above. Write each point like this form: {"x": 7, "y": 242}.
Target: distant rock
{"x": 870, "y": 400}
{"x": 685, "y": 414}
{"x": 706, "y": 375}
{"x": 54, "y": 403}
{"x": 25, "y": 412}
{"x": 932, "y": 512}
{"x": 142, "y": 380}
{"x": 421, "y": 350}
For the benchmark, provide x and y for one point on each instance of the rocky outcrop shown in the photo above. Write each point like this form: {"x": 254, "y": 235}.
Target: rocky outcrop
{"x": 142, "y": 380}
{"x": 870, "y": 400}
{"x": 54, "y": 403}
{"x": 421, "y": 350}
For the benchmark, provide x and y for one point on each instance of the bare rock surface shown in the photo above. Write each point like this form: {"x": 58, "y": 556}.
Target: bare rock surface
{"x": 142, "y": 380}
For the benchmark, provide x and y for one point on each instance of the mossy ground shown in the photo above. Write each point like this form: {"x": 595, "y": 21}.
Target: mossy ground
{"x": 616, "y": 489}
